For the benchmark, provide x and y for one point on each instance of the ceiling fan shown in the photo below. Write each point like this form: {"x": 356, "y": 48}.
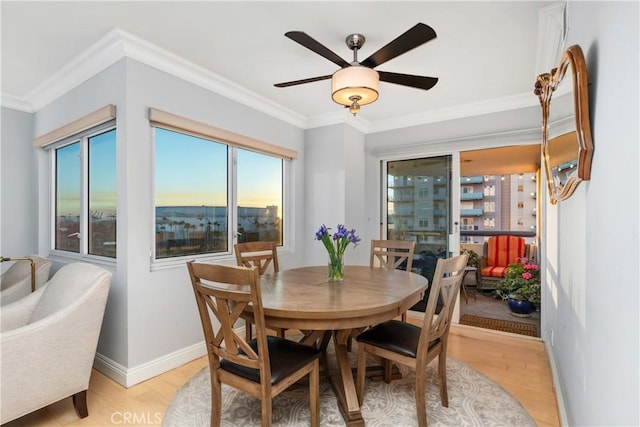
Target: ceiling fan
{"x": 356, "y": 83}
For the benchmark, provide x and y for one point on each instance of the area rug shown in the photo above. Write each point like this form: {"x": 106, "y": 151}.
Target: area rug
{"x": 499, "y": 325}
{"x": 474, "y": 400}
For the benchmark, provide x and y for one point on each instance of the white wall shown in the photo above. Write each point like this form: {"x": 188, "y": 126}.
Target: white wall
{"x": 107, "y": 87}
{"x": 591, "y": 313}
{"x": 333, "y": 190}
{"x": 18, "y": 178}
{"x": 356, "y": 215}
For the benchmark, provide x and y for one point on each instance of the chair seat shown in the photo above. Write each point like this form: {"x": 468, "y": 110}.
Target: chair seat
{"x": 494, "y": 271}
{"x": 396, "y": 336}
{"x": 285, "y": 358}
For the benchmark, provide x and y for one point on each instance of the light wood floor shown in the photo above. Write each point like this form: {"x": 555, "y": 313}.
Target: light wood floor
{"x": 518, "y": 364}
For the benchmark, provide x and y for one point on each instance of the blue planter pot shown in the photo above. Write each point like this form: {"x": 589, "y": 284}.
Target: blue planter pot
{"x": 521, "y": 308}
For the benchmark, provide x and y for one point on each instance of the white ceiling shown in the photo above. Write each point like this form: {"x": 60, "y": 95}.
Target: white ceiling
{"x": 484, "y": 51}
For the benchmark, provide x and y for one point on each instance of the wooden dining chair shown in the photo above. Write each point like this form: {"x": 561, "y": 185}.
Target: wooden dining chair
{"x": 416, "y": 346}
{"x": 392, "y": 254}
{"x": 263, "y": 367}
{"x": 261, "y": 255}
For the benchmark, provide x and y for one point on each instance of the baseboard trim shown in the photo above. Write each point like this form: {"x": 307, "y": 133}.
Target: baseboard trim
{"x": 562, "y": 413}
{"x": 111, "y": 369}
{"x": 128, "y": 377}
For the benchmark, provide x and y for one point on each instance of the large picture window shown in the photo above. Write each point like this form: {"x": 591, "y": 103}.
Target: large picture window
{"x": 85, "y": 193}
{"x": 207, "y": 193}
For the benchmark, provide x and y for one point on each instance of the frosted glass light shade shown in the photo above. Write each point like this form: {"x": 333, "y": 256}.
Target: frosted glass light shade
{"x": 355, "y": 81}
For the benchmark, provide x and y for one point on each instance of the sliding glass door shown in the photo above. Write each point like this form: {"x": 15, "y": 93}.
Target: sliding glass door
{"x": 419, "y": 208}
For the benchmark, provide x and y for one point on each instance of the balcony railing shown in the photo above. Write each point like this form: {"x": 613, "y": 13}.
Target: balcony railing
{"x": 471, "y": 180}
{"x": 471, "y": 212}
{"x": 471, "y": 196}
{"x": 498, "y": 233}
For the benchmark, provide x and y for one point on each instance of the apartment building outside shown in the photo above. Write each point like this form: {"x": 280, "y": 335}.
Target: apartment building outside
{"x": 497, "y": 203}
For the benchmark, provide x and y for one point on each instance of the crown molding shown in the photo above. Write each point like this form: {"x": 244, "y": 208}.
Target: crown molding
{"x": 341, "y": 116}
{"x": 496, "y": 105}
{"x": 562, "y": 126}
{"x": 161, "y": 59}
{"x": 497, "y": 139}
{"x": 16, "y": 103}
{"x": 105, "y": 52}
{"x": 118, "y": 44}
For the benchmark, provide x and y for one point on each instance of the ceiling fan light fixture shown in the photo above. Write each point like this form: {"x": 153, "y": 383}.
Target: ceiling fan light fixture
{"x": 355, "y": 107}
{"x": 355, "y": 86}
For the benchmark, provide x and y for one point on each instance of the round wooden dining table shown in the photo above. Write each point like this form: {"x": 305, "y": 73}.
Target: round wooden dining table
{"x": 304, "y": 299}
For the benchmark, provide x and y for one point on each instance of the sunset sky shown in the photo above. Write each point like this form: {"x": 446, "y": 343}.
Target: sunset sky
{"x": 193, "y": 172}
{"x": 189, "y": 172}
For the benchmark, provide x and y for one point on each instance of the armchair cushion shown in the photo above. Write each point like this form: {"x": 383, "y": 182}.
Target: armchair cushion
{"x": 502, "y": 251}
{"x": 494, "y": 271}
{"x": 65, "y": 287}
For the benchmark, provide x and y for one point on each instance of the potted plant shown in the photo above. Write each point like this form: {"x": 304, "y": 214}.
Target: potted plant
{"x": 472, "y": 261}
{"x": 521, "y": 287}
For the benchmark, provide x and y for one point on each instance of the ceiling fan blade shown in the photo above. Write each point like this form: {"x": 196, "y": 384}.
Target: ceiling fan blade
{"x": 305, "y": 40}
{"x": 414, "y": 37}
{"x": 419, "y": 82}
{"x": 299, "y": 82}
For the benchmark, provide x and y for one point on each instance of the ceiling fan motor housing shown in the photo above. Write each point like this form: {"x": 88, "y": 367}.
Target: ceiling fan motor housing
{"x": 355, "y": 41}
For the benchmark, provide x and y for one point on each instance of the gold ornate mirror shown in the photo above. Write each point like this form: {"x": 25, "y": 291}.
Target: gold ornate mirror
{"x": 566, "y": 131}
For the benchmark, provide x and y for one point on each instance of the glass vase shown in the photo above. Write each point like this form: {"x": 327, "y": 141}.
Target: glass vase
{"x": 336, "y": 268}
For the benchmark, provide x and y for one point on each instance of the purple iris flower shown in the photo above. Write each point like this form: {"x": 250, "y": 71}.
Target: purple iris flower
{"x": 338, "y": 242}
{"x": 353, "y": 238}
{"x": 321, "y": 232}
{"x": 341, "y": 233}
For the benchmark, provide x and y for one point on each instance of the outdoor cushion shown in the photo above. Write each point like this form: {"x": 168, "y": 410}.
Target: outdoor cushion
{"x": 502, "y": 251}
{"x": 494, "y": 271}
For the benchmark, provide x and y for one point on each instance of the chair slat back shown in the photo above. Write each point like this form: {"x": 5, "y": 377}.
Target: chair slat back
{"x": 391, "y": 254}
{"x": 446, "y": 285}
{"x": 259, "y": 254}
{"x": 226, "y": 291}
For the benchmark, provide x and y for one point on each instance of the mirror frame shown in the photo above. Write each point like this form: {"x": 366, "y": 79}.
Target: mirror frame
{"x": 546, "y": 84}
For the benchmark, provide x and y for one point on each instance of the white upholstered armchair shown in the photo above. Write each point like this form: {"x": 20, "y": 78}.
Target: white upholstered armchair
{"x": 15, "y": 283}
{"x": 48, "y": 341}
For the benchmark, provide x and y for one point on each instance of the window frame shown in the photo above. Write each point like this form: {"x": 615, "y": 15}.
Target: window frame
{"x": 82, "y": 138}
{"x": 232, "y": 200}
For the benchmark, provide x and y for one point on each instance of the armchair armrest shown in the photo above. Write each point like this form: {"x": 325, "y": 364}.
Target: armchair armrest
{"x": 18, "y": 313}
